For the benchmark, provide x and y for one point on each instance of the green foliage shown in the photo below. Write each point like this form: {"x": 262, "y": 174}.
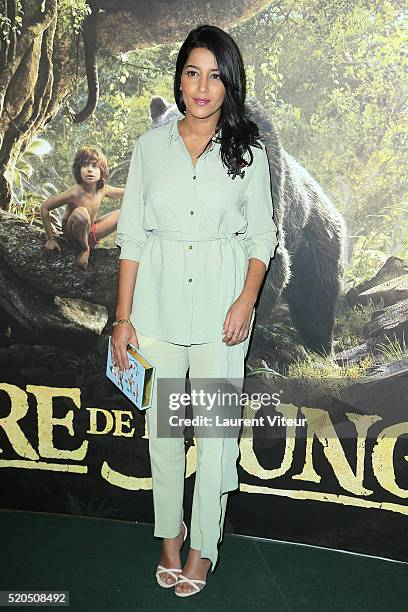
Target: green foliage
{"x": 315, "y": 367}
{"x": 28, "y": 208}
{"x": 392, "y": 350}
{"x": 37, "y": 148}
{"x": 72, "y": 14}
{"x": 7, "y": 26}
{"x": 350, "y": 323}
{"x": 25, "y": 202}
{"x": 334, "y": 77}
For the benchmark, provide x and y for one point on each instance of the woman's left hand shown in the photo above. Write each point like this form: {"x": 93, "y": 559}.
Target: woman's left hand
{"x": 237, "y": 321}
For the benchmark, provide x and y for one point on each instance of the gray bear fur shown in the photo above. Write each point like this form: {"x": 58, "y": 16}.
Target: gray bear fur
{"x": 307, "y": 269}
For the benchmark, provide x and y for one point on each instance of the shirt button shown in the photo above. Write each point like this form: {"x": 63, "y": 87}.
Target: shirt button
{"x": 194, "y": 177}
{"x": 190, "y": 246}
{"x": 189, "y": 280}
{"x": 191, "y": 212}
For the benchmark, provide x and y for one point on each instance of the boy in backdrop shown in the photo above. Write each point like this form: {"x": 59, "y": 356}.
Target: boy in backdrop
{"x": 79, "y": 224}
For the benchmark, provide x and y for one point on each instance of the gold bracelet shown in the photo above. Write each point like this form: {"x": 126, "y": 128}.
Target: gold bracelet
{"x": 120, "y": 321}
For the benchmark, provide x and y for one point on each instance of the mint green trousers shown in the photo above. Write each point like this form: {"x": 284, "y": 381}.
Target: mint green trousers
{"x": 216, "y": 472}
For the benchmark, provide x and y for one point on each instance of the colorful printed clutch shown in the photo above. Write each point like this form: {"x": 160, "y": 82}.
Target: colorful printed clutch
{"x": 136, "y": 382}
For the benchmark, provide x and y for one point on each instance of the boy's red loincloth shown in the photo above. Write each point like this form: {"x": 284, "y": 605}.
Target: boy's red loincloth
{"x": 92, "y": 240}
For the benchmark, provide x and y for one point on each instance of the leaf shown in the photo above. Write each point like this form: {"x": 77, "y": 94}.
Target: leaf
{"x": 8, "y": 176}
{"x": 39, "y": 146}
{"x": 23, "y": 167}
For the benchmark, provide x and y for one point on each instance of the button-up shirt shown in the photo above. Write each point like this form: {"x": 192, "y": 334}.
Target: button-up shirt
{"x": 193, "y": 231}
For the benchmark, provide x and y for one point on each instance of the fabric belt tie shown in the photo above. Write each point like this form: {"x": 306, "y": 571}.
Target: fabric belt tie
{"x": 188, "y": 237}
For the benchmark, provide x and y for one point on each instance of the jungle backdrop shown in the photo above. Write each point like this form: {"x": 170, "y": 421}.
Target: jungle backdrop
{"x": 332, "y": 77}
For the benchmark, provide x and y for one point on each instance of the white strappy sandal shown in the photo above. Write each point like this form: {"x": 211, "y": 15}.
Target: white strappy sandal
{"x": 194, "y": 582}
{"x": 172, "y": 571}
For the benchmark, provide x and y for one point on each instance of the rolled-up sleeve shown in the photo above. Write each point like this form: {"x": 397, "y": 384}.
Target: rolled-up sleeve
{"x": 261, "y": 232}
{"x": 131, "y": 235}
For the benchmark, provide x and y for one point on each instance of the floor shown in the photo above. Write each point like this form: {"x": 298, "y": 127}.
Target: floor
{"x": 109, "y": 565}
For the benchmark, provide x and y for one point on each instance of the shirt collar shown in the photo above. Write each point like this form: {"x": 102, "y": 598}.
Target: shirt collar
{"x": 174, "y": 133}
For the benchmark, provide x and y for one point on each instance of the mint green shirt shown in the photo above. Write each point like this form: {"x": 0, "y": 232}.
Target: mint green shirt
{"x": 193, "y": 231}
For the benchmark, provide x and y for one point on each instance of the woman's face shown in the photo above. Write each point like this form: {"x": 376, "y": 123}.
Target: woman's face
{"x": 202, "y": 89}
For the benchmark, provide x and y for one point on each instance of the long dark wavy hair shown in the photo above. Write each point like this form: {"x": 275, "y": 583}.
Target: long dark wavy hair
{"x": 238, "y": 131}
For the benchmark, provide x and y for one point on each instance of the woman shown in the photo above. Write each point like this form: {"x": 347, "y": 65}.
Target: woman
{"x": 196, "y": 229}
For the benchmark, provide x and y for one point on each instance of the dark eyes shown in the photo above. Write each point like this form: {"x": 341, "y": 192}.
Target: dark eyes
{"x": 195, "y": 72}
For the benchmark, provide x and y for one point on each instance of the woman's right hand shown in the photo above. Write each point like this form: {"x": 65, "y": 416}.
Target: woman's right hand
{"x": 122, "y": 335}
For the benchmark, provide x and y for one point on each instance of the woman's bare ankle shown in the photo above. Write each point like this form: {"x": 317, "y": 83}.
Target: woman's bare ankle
{"x": 196, "y": 565}
{"x": 171, "y": 555}
{"x": 171, "y": 546}
{"x": 196, "y": 568}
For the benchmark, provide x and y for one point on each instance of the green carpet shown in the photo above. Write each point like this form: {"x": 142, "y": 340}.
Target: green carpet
{"x": 109, "y": 565}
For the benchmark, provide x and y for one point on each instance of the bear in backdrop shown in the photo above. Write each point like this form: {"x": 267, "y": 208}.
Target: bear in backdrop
{"x": 307, "y": 269}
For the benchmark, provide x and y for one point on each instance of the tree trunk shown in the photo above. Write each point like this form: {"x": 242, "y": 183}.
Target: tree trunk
{"x": 33, "y": 84}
